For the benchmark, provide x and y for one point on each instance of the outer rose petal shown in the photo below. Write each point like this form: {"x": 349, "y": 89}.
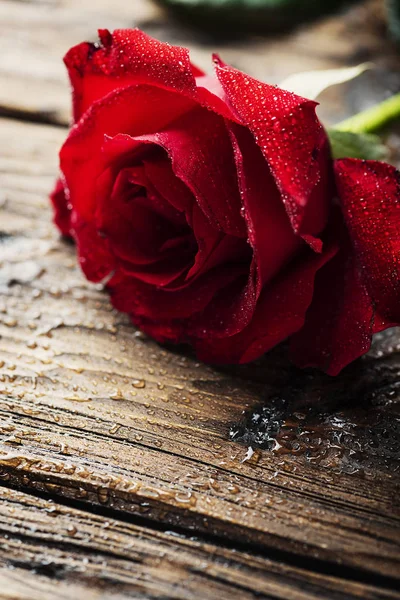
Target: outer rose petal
{"x": 81, "y": 158}
{"x": 123, "y": 58}
{"x": 339, "y": 322}
{"x": 292, "y": 140}
{"x": 62, "y": 210}
{"x": 95, "y": 257}
{"x": 143, "y": 301}
{"x": 280, "y": 312}
{"x": 370, "y": 197}
{"x": 270, "y": 234}
{"x": 130, "y": 57}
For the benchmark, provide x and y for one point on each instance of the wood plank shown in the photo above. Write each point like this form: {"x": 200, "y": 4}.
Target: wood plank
{"x": 92, "y": 410}
{"x": 36, "y": 34}
{"x": 98, "y": 417}
{"x": 52, "y": 550}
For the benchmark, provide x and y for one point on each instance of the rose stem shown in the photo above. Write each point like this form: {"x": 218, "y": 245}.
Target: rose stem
{"x": 374, "y": 118}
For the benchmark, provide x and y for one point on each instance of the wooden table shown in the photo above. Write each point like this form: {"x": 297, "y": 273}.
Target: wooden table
{"x": 125, "y": 467}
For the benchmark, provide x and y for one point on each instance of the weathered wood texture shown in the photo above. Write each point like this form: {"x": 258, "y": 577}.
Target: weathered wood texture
{"x": 116, "y": 429}
{"x": 91, "y": 555}
{"x": 36, "y": 34}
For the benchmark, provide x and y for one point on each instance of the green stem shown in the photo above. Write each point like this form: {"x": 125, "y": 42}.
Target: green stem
{"x": 374, "y": 118}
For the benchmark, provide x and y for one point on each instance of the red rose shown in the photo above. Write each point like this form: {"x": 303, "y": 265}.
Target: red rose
{"x": 208, "y": 205}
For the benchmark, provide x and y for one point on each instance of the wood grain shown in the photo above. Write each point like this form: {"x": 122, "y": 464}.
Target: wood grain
{"x": 73, "y": 553}
{"x": 127, "y": 440}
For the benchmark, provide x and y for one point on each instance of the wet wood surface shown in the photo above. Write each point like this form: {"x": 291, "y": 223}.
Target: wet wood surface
{"x": 128, "y": 470}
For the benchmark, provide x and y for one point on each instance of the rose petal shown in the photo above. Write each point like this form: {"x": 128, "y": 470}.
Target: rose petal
{"x": 339, "y": 322}
{"x": 211, "y": 94}
{"x": 292, "y": 140}
{"x": 129, "y": 56}
{"x": 176, "y": 193}
{"x": 214, "y": 247}
{"x": 162, "y": 331}
{"x": 146, "y": 243}
{"x": 136, "y": 232}
{"x": 201, "y": 154}
{"x": 162, "y": 274}
{"x": 95, "y": 257}
{"x": 270, "y": 233}
{"x": 81, "y": 157}
{"x": 123, "y": 58}
{"x": 144, "y": 301}
{"x": 158, "y": 202}
{"x": 229, "y": 311}
{"x": 62, "y": 209}
{"x": 280, "y": 312}
{"x": 370, "y": 198}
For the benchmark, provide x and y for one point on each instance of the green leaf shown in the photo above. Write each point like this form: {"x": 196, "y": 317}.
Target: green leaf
{"x": 374, "y": 118}
{"x": 311, "y": 84}
{"x": 345, "y": 144}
